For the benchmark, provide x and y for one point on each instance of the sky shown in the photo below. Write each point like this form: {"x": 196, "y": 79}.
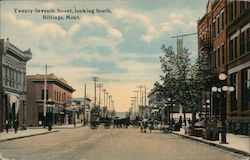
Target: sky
{"x": 120, "y": 45}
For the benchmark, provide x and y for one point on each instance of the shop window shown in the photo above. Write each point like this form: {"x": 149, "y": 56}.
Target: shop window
{"x": 248, "y": 39}
{"x": 233, "y": 95}
{"x": 245, "y": 90}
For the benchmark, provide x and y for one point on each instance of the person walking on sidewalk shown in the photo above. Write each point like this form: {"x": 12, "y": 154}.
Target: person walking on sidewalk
{"x": 7, "y": 126}
{"x": 15, "y": 126}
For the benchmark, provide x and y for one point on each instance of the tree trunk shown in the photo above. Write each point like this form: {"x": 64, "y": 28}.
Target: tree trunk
{"x": 184, "y": 114}
{"x": 193, "y": 122}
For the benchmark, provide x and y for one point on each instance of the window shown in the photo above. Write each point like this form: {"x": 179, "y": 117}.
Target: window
{"x": 233, "y": 95}
{"x": 42, "y": 94}
{"x": 230, "y": 12}
{"x": 222, "y": 21}
{"x": 242, "y": 43}
{"x": 242, "y": 6}
{"x": 235, "y": 9}
{"x": 214, "y": 58}
{"x": 54, "y": 95}
{"x": 218, "y": 64}
{"x": 223, "y": 54}
{"x": 248, "y": 39}
{"x": 235, "y": 47}
{"x": 218, "y": 25}
{"x": 231, "y": 50}
{"x": 245, "y": 90}
{"x": 213, "y": 29}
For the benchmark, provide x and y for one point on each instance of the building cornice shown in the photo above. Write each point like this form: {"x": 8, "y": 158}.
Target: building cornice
{"x": 17, "y": 53}
{"x": 51, "y": 78}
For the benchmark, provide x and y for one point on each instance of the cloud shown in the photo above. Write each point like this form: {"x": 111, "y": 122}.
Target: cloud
{"x": 126, "y": 15}
{"x": 48, "y": 5}
{"x": 97, "y": 20}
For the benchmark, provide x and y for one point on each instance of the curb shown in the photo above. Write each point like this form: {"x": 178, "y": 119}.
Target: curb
{"x": 67, "y": 127}
{"x": 26, "y": 136}
{"x": 244, "y": 153}
{"x": 55, "y": 127}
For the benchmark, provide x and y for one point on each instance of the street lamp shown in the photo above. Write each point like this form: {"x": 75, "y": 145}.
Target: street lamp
{"x": 222, "y": 90}
{"x": 94, "y": 79}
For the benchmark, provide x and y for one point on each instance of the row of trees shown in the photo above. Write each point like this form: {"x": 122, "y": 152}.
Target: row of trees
{"x": 182, "y": 81}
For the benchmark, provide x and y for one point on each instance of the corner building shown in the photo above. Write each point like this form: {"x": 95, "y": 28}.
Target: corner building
{"x": 13, "y": 88}
{"x": 58, "y": 100}
{"x": 224, "y": 37}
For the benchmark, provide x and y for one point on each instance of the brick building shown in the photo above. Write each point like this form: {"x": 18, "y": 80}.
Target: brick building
{"x": 212, "y": 42}
{"x": 12, "y": 84}
{"x": 238, "y": 44}
{"x": 59, "y": 95}
{"x": 223, "y": 35}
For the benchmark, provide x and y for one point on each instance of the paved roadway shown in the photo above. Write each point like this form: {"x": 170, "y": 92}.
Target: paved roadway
{"x": 110, "y": 144}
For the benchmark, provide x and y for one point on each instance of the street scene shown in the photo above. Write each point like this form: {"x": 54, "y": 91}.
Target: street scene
{"x": 110, "y": 144}
{"x": 125, "y": 80}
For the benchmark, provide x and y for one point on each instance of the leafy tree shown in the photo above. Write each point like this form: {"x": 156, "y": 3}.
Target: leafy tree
{"x": 169, "y": 67}
{"x": 182, "y": 81}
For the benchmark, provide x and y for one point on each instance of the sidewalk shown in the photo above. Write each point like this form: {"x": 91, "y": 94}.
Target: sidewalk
{"x": 68, "y": 126}
{"x": 34, "y": 131}
{"x": 24, "y": 133}
{"x": 236, "y": 143}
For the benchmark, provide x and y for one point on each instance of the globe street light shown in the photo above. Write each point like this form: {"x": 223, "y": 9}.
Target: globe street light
{"x": 222, "y": 90}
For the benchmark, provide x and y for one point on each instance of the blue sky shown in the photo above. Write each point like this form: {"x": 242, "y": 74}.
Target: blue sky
{"x": 122, "y": 48}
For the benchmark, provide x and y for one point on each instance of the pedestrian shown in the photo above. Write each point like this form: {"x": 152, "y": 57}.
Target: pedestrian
{"x": 15, "y": 126}
{"x": 49, "y": 126}
{"x": 7, "y": 126}
{"x": 151, "y": 127}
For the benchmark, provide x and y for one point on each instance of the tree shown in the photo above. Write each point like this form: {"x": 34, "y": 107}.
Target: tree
{"x": 169, "y": 67}
{"x": 199, "y": 72}
{"x": 182, "y": 81}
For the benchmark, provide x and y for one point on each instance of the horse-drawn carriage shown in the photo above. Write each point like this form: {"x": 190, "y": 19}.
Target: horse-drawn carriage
{"x": 121, "y": 122}
{"x": 107, "y": 122}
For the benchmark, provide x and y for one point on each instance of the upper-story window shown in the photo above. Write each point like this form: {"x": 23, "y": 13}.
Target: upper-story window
{"x": 235, "y": 8}
{"x": 54, "y": 95}
{"x": 213, "y": 29}
{"x": 230, "y": 12}
{"x": 218, "y": 25}
{"x": 42, "y": 94}
{"x": 222, "y": 20}
{"x": 233, "y": 46}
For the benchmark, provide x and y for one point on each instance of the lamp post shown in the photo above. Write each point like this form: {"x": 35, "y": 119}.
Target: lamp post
{"x": 137, "y": 102}
{"x": 45, "y": 97}
{"x": 110, "y": 97}
{"x": 95, "y": 79}
{"x": 207, "y": 107}
{"x": 100, "y": 88}
{"x": 222, "y": 91}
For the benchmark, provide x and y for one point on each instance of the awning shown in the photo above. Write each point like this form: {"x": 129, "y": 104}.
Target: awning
{"x": 13, "y": 99}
